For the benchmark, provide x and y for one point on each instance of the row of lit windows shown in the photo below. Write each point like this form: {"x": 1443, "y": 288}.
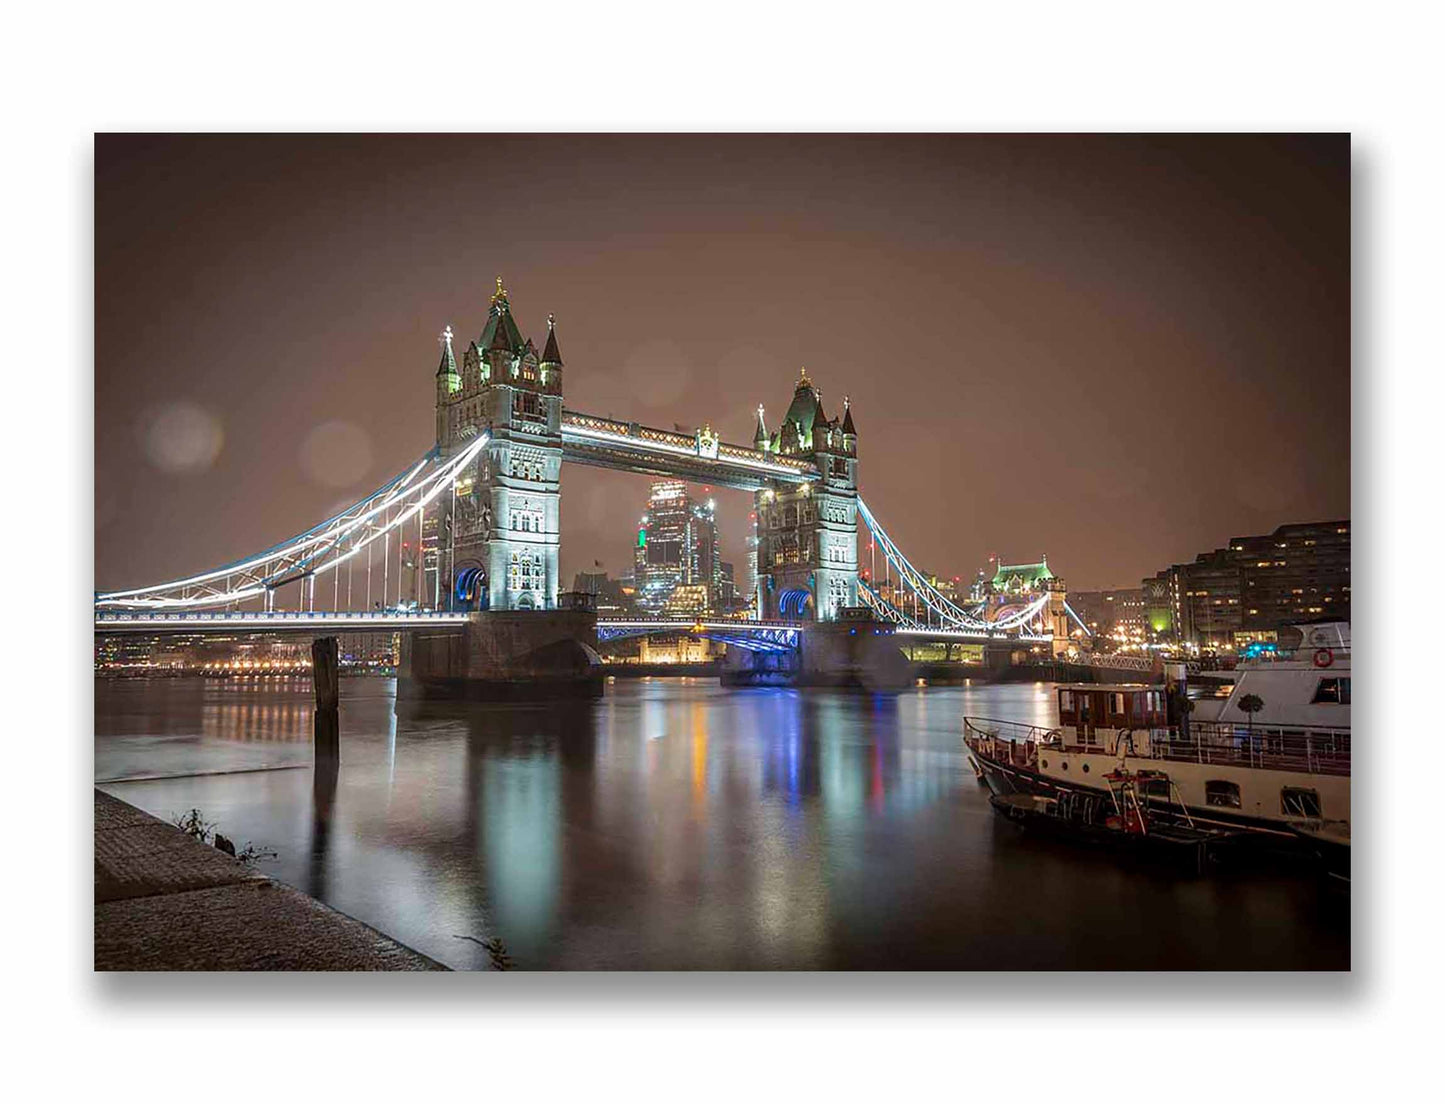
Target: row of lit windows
{"x": 790, "y": 516}
{"x": 524, "y": 572}
{"x": 520, "y": 468}
{"x": 526, "y": 521}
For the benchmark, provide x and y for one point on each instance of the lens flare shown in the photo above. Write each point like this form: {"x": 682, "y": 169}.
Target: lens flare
{"x": 336, "y": 454}
{"x": 181, "y": 438}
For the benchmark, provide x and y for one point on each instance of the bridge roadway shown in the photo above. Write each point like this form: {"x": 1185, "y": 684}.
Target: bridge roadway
{"x": 609, "y": 628}
{"x": 275, "y": 621}
{"x": 333, "y": 621}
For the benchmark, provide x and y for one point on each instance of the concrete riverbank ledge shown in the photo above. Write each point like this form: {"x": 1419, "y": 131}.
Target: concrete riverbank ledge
{"x": 165, "y": 901}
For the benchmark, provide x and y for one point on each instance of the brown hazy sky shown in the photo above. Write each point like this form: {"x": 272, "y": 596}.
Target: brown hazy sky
{"x": 1118, "y": 351}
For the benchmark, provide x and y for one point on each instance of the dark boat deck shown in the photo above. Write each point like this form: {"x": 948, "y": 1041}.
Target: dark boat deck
{"x": 1167, "y": 842}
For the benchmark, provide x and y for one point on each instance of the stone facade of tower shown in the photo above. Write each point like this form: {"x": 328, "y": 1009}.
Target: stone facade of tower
{"x": 493, "y": 544}
{"x": 807, "y": 552}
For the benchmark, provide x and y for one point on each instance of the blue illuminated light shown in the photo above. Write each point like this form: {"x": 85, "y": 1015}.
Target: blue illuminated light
{"x": 470, "y": 582}
{"x": 794, "y": 602}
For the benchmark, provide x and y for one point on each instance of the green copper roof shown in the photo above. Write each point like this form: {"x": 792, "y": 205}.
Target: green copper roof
{"x": 1009, "y": 576}
{"x": 805, "y": 411}
{"x": 500, "y": 331}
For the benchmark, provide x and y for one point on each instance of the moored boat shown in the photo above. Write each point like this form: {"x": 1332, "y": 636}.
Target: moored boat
{"x": 1272, "y": 766}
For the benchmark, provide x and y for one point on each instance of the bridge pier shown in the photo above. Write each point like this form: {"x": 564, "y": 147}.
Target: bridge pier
{"x": 502, "y": 655}
{"x": 861, "y": 655}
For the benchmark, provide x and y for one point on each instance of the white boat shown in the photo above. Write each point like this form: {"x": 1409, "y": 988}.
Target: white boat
{"x": 1305, "y": 688}
{"x": 1276, "y": 768}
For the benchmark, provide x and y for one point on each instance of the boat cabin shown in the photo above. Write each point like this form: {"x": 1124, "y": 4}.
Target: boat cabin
{"x": 1092, "y": 715}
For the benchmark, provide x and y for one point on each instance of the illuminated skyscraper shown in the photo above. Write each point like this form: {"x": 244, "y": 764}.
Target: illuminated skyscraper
{"x": 704, "y": 564}
{"x": 748, "y": 595}
{"x": 677, "y": 545}
{"x": 662, "y": 535}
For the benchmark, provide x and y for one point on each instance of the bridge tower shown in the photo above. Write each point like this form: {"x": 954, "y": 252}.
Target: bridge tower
{"x": 495, "y": 543}
{"x": 807, "y": 556}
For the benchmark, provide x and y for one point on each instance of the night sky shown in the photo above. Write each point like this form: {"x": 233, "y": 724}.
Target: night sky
{"x": 1119, "y": 351}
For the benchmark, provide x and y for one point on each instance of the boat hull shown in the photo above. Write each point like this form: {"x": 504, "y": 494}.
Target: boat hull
{"x": 1177, "y": 847}
{"x": 1003, "y": 778}
{"x": 1332, "y": 852}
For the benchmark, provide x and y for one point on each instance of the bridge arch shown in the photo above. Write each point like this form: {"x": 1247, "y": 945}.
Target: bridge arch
{"x": 470, "y": 588}
{"x": 796, "y": 603}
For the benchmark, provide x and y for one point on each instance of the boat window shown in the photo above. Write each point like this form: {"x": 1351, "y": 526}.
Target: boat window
{"x": 1223, "y": 794}
{"x": 1154, "y": 787}
{"x": 1116, "y": 703}
{"x": 1332, "y": 691}
{"x": 1297, "y": 802}
{"x": 1066, "y": 700}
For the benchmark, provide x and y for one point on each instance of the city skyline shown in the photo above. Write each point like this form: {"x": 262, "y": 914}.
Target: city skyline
{"x": 998, "y": 308}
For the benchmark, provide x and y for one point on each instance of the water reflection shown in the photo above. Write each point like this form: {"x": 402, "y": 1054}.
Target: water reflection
{"x": 674, "y": 824}
{"x": 323, "y": 801}
{"x": 148, "y": 728}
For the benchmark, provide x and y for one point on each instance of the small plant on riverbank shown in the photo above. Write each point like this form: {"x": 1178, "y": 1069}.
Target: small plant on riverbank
{"x": 195, "y": 825}
{"x": 496, "y": 951}
{"x": 251, "y": 854}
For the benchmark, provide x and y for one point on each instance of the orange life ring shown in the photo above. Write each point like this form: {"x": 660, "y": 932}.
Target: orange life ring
{"x": 1324, "y": 657}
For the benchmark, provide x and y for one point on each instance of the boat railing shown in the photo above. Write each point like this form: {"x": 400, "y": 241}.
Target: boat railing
{"x": 1306, "y": 750}
{"x": 1303, "y": 750}
{"x": 1011, "y": 741}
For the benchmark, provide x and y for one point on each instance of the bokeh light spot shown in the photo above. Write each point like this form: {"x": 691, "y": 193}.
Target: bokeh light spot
{"x": 336, "y": 454}
{"x": 181, "y": 437}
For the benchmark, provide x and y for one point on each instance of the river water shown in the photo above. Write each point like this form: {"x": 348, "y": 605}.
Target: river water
{"x": 678, "y": 825}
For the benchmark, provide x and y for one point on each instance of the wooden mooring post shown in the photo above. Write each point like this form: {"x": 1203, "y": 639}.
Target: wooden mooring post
{"x": 325, "y": 677}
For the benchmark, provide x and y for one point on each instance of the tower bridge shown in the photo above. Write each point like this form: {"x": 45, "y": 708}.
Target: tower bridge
{"x": 473, "y": 525}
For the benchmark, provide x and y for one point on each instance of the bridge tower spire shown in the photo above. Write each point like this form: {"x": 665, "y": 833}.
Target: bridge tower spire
{"x": 551, "y": 355}
{"x": 449, "y": 382}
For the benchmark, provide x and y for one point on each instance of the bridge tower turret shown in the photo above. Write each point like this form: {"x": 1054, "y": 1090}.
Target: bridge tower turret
{"x": 449, "y": 382}
{"x": 808, "y": 533}
{"x": 500, "y": 533}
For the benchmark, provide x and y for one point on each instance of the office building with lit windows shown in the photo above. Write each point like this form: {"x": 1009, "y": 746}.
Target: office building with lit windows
{"x": 1117, "y": 616}
{"x": 1255, "y": 586}
{"x": 677, "y": 546}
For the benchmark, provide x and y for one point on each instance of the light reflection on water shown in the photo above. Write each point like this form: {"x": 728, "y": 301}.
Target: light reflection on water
{"x": 675, "y": 824}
